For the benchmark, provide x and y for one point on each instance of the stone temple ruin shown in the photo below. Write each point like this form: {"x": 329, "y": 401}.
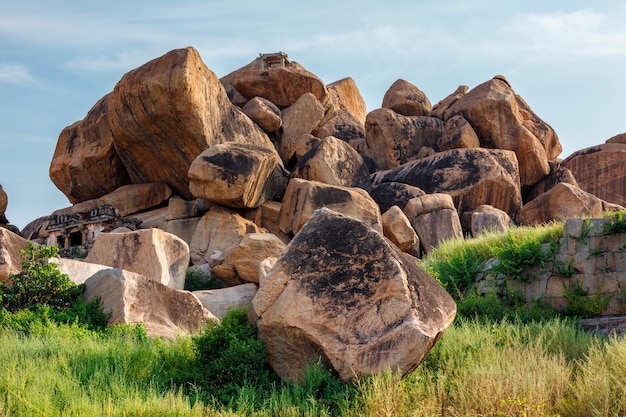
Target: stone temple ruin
{"x": 77, "y": 231}
{"x": 273, "y": 60}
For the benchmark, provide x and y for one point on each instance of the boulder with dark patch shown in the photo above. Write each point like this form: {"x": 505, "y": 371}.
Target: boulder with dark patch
{"x": 333, "y": 161}
{"x": 406, "y": 99}
{"x": 298, "y": 122}
{"x": 388, "y": 194}
{"x": 133, "y": 198}
{"x": 558, "y": 174}
{"x": 472, "y": 176}
{"x": 233, "y": 174}
{"x": 394, "y": 139}
{"x": 264, "y": 113}
{"x": 342, "y": 293}
{"x": 458, "y": 133}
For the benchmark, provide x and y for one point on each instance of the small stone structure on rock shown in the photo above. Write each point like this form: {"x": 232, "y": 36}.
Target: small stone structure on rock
{"x": 274, "y": 59}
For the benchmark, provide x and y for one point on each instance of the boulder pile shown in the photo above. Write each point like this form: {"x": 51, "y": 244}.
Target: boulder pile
{"x": 269, "y": 177}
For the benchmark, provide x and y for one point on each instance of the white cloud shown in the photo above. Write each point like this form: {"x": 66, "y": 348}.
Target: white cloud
{"x": 16, "y": 74}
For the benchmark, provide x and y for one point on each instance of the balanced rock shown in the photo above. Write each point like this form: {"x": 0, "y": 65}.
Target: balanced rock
{"x": 394, "y": 139}
{"x": 389, "y": 194}
{"x": 217, "y": 232}
{"x": 333, "y": 161}
{"x": 434, "y": 218}
{"x": 298, "y": 121}
{"x": 561, "y": 202}
{"x": 601, "y": 170}
{"x": 398, "y": 229}
{"x": 131, "y": 298}
{"x": 85, "y": 164}
{"x": 10, "y": 257}
{"x": 133, "y": 198}
{"x": 406, "y": 99}
{"x": 303, "y": 197}
{"x": 153, "y": 253}
{"x": 502, "y": 120}
{"x": 233, "y": 174}
{"x": 343, "y": 293}
{"x": 221, "y": 300}
{"x": 264, "y": 113}
{"x": 472, "y": 176}
{"x": 489, "y": 219}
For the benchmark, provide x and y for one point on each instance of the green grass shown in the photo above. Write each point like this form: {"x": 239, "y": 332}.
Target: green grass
{"x": 503, "y": 368}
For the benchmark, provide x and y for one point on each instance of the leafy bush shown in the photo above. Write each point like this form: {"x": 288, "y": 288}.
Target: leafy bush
{"x": 197, "y": 280}
{"x": 616, "y": 225}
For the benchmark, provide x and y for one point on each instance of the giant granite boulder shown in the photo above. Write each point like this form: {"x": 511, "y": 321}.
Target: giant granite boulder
{"x": 342, "y": 293}
{"x": 158, "y": 118}
{"x": 503, "y": 120}
{"x": 3, "y": 205}
{"x": 153, "y": 253}
{"x": 601, "y": 170}
{"x": 299, "y": 120}
{"x": 133, "y": 198}
{"x": 472, "y": 176}
{"x": 10, "y": 257}
{"x": 406, "y": 99}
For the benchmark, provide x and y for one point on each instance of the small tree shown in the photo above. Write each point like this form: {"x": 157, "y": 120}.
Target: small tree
{"x": 40, "y": 282}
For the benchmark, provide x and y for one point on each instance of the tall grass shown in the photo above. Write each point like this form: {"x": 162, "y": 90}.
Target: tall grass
{"x": 504, "y": 368}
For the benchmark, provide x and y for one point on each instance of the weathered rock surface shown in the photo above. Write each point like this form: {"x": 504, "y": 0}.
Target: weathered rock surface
{"x": 233, "y": 174}
{"x": 558, "y": 174}
{"x": 303, "y": 197}
{"x": 343, "y": 293}
{"x": 489, "y": 219}
{"x": 218, "y": 231}
{"x": 406, "y": 99}
{"x": 298, "y": 122}
{"x": 134, "y": 198}
{"x": 10, "y": 258}
{"x": 472, "y": 176}
{"x": 219, "y": 301}
{"x": 601, "y": 170}
{"x": 78, "y": 271}
{"x": 153, "y": 253}
{"x": 388, "y": 194}
{"x": 502, "y": 120}
{"x": 458, "y": 133}
{"x": 85, "y": 164}
{"x": 264, "y": 113}
{"x": 345, "y": 95}
{"x": 3, "y": 205}
{"x": 440, "y": 108}
{"x": 398, "y": 229}
{"x": 434, "y": 218}
{"x": 131, "y": 298}
{"x": 333, "y": 161}
{"x": 250, "y": 252}
{"x": 561, "y": 202}
{"x": 394, "y": 139}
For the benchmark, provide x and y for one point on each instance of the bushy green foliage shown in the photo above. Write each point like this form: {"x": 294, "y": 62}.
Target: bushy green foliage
{"x": 616, "y": 225}
{"x": 40, "y": 282}
{"x": 582, "y": 304}
{"x": 197, "y": 280}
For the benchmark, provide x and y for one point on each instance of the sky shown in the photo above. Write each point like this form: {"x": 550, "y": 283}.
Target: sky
{"x": 567, "y": 59}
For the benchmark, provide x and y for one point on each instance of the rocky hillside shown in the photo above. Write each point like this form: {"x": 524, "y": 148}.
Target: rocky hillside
{"x": 269, "y": 177}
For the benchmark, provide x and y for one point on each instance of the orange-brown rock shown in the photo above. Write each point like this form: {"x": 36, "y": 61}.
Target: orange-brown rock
{"x": 503, "y": 120}
{"x": 398, "y": 229}
{"x": 153, "y": 253}
{"x": 233, "y": 174}
{"x": 342, "y": 125}
{"x": 131, "y": 298}
{"x": 388, "y": 194}
{"x": 345, "y": 95}
{"x": 558, "y": 174}
{"x": 303, "y": 197}
{"x": 134, "y": 198}
{"x": 440, "y": 108}
{"x": 394, "y": 139}
{"x": 621, "y": 138}
{"x": 282, "y": 86}
{"x": 216, "y": 233}
{"x": 434, "y": 218}
{"x": 458, "y": 133}
{"x": 85, "y": 164}
{"x": 333, "y": 161}
{"x": 245, "y": 257}
{"x": 406, "y": 99}
{"x": 10, "y": 257}
{"x": 489, "y": 219}
{"x": 342, "y": 293}
{"x": 3, "y": 205}
{"x": 298, "y": 122}
{"x": 472, "y": 176}
{"x": 264, "y": 113}
{"x": 601, "y": 170}
{"x": 561, "y": 202}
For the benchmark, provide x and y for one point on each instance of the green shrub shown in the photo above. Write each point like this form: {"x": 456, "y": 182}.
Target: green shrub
{"x": 197, "y": 280}
{"x": 616, "y": 225}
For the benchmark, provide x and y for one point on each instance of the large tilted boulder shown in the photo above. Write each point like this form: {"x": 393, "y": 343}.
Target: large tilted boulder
{"x": 303, "y": 197}
{"x": 406, "y": 99}
{"x": 345, "y": 117}
{"x": 159, "y": 117}
{"x": 153, "y": 253}
{"x": 601, "y": 170}
{"x": 3, "y": 205}
{"x": 503, "y": 120}
{"x": 77, "y": 270}
{"x": 219, "y": 301}
{"x": 134, "y": 198}
{"x": 10, "y": 258}
{"x": 252, "y": 249}
{"x": 388, "y": 194}
{"x": 472, "y": 176}
{"x": 298, "y": 121}
{"x": 333, "y": 161}
{"x": 398, "y": 229}
{"x": 458, "y": 133}
{"x": 343, "y": 293}
{"x": 264, "y": 113}
{"x": 394, "y": 139}
{"x": 487, "y": 219}
{"x": 233, "y": 174}
{"x": 558, "y": 174}
{"x": 131, "y": 298}
{"x": 434, "y": 218}
{"x": 561, "y": 202}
